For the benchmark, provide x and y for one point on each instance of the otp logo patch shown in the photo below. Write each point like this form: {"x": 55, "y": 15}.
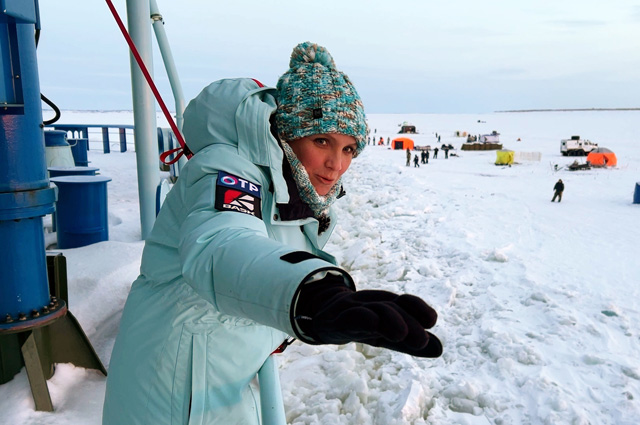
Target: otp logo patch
{"x": 237, "y": 194}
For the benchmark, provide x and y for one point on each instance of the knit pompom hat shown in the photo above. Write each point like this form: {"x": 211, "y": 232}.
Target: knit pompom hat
{"x": 315, "y": 98}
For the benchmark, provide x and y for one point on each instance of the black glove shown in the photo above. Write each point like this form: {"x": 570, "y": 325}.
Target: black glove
{"x": 331, "y": 313}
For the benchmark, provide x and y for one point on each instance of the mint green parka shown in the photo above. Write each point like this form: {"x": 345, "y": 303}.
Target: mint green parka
{"x": 215, "y": 291}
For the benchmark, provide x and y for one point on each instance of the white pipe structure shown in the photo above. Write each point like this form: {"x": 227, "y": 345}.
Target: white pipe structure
{"x": 271, "y": 405}
{"x": 169, "y": 65}
{"x": 145, "y": 133}
{"x": 144, "y": 115}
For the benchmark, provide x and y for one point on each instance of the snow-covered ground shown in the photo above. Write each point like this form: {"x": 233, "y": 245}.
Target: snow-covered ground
{"x": 537, "y": 301}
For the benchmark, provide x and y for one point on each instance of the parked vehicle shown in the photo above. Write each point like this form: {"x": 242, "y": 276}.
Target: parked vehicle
{"x": 576, "y": 146}
{"x": 494, "y": 137}
{"x": 406, "y": 128}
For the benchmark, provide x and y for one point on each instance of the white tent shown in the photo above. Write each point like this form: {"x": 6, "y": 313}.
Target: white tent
{"x": 527, "y": 156}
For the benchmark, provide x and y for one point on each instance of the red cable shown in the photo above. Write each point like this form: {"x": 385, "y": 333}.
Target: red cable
{"x": 147, "y": 76}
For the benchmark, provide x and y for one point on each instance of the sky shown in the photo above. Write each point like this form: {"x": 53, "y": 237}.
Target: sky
{"x": 404, "y": 56}
{"x": 538, "y": 302}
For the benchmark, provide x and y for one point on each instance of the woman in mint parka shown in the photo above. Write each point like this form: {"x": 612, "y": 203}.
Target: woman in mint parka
{"x": 234, "y": 263}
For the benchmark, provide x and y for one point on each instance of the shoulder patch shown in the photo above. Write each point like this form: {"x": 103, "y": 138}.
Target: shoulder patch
{"x": 234, "y": 193}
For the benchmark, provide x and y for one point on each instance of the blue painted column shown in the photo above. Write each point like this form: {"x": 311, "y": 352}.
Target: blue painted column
{"x": 25, "y": 195}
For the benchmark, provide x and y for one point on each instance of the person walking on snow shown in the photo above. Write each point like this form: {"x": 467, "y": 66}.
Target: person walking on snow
{"x": 558, "y": 188}
{"x": 408, "y": 157}
{"x": 416, "y": 161}
{"x": 435, "y": 153}
{"x": 234, "y": 264}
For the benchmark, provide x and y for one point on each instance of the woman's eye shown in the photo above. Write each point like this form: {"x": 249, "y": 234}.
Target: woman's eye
{"x": 321, "y": 141}
{"x": 349, "y": 149}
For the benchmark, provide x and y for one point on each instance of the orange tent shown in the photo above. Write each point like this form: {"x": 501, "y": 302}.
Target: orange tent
{"x": 402, "y": 143}
{"x": 602, "y": 157}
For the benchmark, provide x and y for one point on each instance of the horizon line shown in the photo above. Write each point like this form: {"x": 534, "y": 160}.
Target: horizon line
{"x": 569, "y": 110}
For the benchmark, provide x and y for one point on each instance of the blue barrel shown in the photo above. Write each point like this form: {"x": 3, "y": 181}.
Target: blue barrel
{"x": 69, "y": 171}
{"x": 79, "y": 148}
{"x": 72, "y": 171}
{"x": 57, "y": 150}
{"x": 81, "y": 211}
{"x": 636, "y": 194}
{"x": 55, "y": 138}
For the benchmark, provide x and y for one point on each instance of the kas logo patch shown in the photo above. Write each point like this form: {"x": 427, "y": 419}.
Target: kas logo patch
{"x": 236, "y": 194}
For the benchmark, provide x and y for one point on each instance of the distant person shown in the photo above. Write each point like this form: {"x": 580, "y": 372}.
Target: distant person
{"x": 408, "y": 157}
{"x": 559, "y": 188}
{"x": 416, "y": 161}
{"x": 388, "y": 140}
{"x": 435, "y": 153}
{"x": 446, "y": 153}
{"x": 426, "y": 156}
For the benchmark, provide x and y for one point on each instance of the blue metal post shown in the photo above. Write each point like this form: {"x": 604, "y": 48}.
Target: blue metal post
{"x": 123, "y": 139}
{"x": 144, "y": 114}
{"x": 25, "y": 195}
{"x": 105, "y": 140}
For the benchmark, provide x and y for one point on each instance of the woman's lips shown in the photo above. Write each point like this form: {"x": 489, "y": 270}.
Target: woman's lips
{"x": 325, "y": 180}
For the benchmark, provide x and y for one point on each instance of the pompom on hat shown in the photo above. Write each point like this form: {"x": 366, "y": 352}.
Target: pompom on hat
{"x": 315, "y": 98}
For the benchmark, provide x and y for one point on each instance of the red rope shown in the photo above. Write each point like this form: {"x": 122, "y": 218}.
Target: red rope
{"x": 152, "y": 85}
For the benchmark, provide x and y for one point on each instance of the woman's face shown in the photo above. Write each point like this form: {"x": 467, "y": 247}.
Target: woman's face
{"x": 325, "y": 157}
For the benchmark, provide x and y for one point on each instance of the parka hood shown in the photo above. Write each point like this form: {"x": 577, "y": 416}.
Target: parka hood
{"x": 235, "y": 112}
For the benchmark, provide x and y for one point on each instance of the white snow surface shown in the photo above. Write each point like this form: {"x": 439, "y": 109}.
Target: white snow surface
{"x": 537, "y": 301}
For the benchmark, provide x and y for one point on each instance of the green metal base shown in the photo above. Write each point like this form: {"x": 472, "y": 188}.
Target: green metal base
{"x": 10, "y": 359}
{"x": 39, "y": 347}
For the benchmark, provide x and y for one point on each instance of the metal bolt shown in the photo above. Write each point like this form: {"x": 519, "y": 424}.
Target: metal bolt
{"x": 45, "y": 309}
{"x": 22, "y": 316}
{"x": 35, "y": 313}
{"x": 8, "y": 318}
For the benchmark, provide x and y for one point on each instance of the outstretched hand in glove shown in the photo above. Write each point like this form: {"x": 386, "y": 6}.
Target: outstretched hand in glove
{"x": 328, "y": 312}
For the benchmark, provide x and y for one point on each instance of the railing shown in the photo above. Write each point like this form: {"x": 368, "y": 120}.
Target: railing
{"x": 79, "y": 131}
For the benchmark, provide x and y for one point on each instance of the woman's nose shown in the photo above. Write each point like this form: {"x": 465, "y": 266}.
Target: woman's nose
{"x": 334, "y": 160}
